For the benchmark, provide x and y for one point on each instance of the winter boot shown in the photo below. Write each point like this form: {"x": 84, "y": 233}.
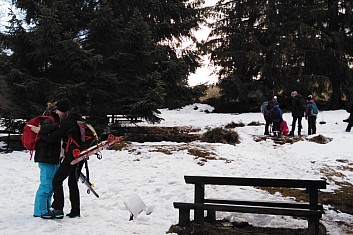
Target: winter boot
{"x": 53, "y": 214}
{"x": 291, "y": 133}
{"x": 73, "y": 215}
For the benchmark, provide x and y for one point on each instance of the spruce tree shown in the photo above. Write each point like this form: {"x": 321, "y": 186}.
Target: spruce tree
{"x": 106, "y": 56}
{"x": 281, "y": 45}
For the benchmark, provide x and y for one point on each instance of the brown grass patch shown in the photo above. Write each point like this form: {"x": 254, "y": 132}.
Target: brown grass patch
{"x": 220, "y": 135}
{"x": 278, "y": 140}
{"x": 200, "y": 153}
{"x": 320, "y": 139}
{"x": 223, "y": 227}
{"x": 120, "y": 145}
{"x": 232, "y": 125}
{"x": 255, "y": 123}
{"x": 340, "y": 200}
{"x": 212, "y": 91}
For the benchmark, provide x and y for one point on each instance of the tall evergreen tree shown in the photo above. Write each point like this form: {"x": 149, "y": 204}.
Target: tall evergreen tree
{"x": 105, "y": 55}
{"x": 48, "y": 61}
{"x": 281, "y": 43}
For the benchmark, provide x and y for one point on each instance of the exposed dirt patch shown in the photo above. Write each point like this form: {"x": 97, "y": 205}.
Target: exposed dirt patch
{"x": 320, "y": 139}
{"x": 157, "y": 134}
{"x": 220, "y": 135}
{"x": 234, "y": 125}
{"x": 200, "y": 152}
{"x": 279, "y": 140}
{"x": 222, "y": 227}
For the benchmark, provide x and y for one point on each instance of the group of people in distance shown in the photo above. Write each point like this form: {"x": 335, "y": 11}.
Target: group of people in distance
{"x": 300, "y": 108}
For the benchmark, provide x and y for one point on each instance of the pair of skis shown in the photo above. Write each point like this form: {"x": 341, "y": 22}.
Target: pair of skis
{"x": 89, "y": 185}
{"x": 85, "y": 154}
{"x": 95, "y": 149}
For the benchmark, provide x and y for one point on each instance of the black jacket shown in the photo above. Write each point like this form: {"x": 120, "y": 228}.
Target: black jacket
{"x": 298, "y": 106}
{"x": 47, "y": 152}
{"x": 67, "y": 127}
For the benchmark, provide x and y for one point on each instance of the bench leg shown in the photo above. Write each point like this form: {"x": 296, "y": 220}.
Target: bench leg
{"x": 184, "y": 216}
{"x": 199, "y": 216}
{"x": 211, "y": 216}
{"x": 313, "y": 226}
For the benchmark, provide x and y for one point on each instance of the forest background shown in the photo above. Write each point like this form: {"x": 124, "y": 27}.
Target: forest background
{"x": 127, "y": 56}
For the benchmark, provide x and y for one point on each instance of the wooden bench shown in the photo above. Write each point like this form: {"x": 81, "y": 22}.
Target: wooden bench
{"x": 119, "y": 119}
{"x": 12, "y": 140}
{"x": 311, "y": 210}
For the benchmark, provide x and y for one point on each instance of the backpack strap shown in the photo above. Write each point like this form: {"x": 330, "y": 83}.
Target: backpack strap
{"x": 69, "y": 141}
{"x": 34, "y": 145}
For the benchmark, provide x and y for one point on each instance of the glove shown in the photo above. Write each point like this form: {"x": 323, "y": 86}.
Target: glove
{"x": 35, "y": 129}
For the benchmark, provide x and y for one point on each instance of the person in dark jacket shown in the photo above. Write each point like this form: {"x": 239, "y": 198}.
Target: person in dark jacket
{"x": 68, "y": 127}
{"x": 47, "y": 155}
{"x": 266, "y": 108}
{"x": 276, "y": 119}
{"x": 311, "y": 118}
{"x": 350, "y": 120}
{"x": 298, "y": 109}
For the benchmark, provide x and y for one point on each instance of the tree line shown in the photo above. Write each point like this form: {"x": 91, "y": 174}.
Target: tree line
{"x": 273, "y": 47}
{"x": 122, "y": 56}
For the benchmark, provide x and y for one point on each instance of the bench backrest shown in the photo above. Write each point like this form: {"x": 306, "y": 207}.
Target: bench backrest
{"x": 261, "y": 182}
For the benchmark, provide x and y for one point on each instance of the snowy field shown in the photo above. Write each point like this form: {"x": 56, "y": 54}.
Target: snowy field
{"x": 157, "y": 177}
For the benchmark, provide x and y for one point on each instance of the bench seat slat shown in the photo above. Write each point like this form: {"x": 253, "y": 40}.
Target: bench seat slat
{"x": 261, "y": 203}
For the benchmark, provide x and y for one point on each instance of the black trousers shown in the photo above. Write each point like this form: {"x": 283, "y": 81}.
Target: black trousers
{"x": 311, "y": 125}
{"x": 276, "y": 127}
{"x": 294, "y": 122}
{"x": 267, "y": 126}
{"x": 72, "y": 171}
{"x": 350, "y": 123}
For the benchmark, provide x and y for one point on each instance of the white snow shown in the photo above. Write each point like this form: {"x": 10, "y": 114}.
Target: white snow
{"x": 157, "y": 177}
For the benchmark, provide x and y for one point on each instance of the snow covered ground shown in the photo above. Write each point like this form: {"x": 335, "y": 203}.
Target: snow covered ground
{"x": 157, "y": 177}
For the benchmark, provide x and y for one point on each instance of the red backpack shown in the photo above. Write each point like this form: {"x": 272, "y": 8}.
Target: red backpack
{"x": 29, "y": 138}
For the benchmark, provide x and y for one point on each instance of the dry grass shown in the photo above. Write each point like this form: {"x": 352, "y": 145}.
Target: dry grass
{"x": 222, "y": 227}
{"x": 232, "y": 125}
{"x": 340, "y": 200}
{"x": 320, "y": 139}
{"x": 213, "y": 91}
{"x": 120, "y": 145}
{"x": 255, "y": 123}
{"x": 220, "y": 135}
{"x": 279, "y": 140}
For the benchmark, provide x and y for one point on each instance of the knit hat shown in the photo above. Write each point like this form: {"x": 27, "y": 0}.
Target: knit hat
{"x": 309, "y": 97}
{"x": 63, "y": 105}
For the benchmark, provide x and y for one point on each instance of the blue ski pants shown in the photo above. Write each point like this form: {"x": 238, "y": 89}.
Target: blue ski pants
{"x": 44, "y": 193}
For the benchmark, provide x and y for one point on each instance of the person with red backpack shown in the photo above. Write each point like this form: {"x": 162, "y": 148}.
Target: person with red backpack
{"x": 284, "y": 128}
{"x": 67, "y": 129}
{"x": 47, "y": 155}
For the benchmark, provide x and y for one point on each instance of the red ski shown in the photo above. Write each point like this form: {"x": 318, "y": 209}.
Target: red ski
{"x": 84, "y": 154}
